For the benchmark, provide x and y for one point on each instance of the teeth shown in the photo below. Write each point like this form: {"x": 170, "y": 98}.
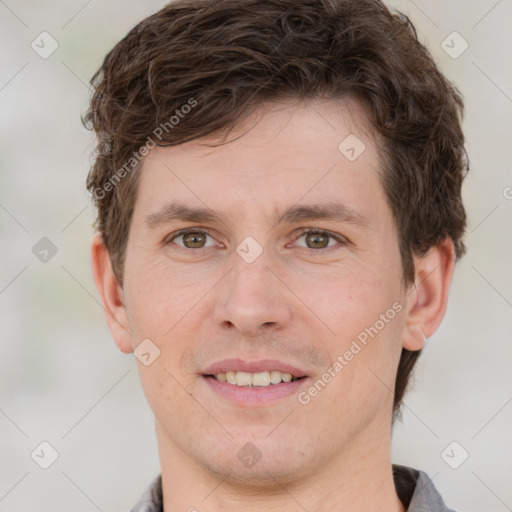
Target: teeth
{"x": 243, "y": 379}
{"x": 221, "y": 377}
{"x": 275, "y": 377}
{"x": 260, "y": 379}
{"x": 286, "y": 377}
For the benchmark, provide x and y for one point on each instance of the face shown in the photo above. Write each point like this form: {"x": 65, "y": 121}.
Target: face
{"x": 269, "y": 258}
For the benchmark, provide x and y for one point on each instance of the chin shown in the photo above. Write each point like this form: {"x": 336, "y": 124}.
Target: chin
{"x": 263, "y": 474}
{"x": 261, "y": 462}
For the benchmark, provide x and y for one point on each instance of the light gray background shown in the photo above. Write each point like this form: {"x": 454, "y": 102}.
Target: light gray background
{"x": 62, "y": 378}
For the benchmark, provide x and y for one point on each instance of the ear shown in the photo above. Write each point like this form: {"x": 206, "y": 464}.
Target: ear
{"x": 111, "y": 295}
{"x": 427, "y": 299}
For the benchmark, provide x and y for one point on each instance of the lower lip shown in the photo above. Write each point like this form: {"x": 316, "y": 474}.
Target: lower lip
{"x": 253, "y": 396}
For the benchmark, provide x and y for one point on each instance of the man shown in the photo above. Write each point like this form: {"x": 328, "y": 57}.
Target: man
{"x": 278, "y": 187}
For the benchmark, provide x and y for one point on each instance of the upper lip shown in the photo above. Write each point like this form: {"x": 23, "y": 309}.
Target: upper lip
{"x": 262, "y": 365}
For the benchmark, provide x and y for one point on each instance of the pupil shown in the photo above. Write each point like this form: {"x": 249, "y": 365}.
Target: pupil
{"x": 317, "y": 240}
{"x": 194, "y": 240}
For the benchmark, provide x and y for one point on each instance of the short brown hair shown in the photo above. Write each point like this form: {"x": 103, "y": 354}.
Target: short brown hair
{"x": 225, "y": 57}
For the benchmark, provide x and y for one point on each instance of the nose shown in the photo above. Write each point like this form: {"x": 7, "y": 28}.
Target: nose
{"x": 252, "y": 299}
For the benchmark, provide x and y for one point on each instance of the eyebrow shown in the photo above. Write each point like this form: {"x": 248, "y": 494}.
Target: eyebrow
{"x": 176, "y": 211}
{"x": 329, "y": 211}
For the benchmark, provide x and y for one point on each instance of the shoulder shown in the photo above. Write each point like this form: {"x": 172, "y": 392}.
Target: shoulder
{"x": 417, "y": 491}
{"x": 151, "y": 500}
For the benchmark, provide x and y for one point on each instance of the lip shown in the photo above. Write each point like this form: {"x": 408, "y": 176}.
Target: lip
{"x": 257, "y": 395}
{"x": 262, "y": 365}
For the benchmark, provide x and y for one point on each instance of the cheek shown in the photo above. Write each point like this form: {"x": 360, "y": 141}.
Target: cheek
{"x": 349, "y": 298}
{"x": 363, "y": 309}
{"x": 364, "y": 355}
{"x": 159, "y": 295}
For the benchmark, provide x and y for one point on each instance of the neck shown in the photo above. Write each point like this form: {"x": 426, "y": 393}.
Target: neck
{"x": 358, "y": 478}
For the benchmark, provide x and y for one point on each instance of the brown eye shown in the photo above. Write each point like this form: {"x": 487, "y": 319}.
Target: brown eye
{"x": 194, "y": 240}
{"x": 317, "y": 240}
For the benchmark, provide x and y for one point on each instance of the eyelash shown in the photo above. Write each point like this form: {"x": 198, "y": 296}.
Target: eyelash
{"x": 182, "y": 232}
{"x": 306, "y": 231}
{"x": 315, "y": 231}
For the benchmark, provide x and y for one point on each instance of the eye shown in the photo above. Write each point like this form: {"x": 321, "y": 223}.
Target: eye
{"x": 192, "y": 239}
{"x": 319, "y": 239}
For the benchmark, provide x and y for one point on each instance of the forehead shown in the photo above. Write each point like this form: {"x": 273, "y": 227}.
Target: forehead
{"x": 288, "y": 152}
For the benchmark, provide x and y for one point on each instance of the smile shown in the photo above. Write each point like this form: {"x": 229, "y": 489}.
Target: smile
{"x": 260, "y": 379}
{"x": 253, "y": 383}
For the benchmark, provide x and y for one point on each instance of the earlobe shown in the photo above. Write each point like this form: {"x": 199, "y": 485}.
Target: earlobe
{"x": 111, "y": 295}
{"x": 428, "y": 297}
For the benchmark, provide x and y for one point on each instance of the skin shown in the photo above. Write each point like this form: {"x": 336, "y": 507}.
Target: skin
{"x": 296, "y": 303}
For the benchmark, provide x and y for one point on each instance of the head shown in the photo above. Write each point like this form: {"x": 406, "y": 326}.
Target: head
{"x": 243, "y": 108}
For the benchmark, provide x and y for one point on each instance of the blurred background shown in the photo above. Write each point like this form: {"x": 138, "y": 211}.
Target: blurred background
{"x": 62, "y": 380}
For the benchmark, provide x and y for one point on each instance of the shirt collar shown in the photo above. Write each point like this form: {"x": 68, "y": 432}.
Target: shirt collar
{"x": 414, "y": 488}
{"x": 416, "y": 491}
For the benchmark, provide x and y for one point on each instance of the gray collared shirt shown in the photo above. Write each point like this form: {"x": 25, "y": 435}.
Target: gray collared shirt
{"x": 414, "y": 488}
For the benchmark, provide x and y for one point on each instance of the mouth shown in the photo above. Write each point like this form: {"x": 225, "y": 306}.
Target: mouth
{"x": 259, "y": 379}
{"x": 254, "y": 383}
